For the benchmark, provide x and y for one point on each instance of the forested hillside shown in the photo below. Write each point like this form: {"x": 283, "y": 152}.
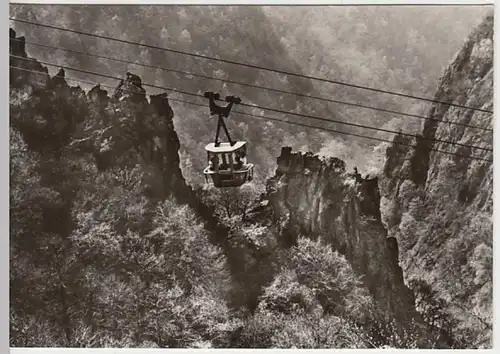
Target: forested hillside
{"x": 115, "y": 243}
{"x": 393, "y": 48}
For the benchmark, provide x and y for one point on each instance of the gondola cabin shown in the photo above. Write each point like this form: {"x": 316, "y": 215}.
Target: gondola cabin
{"x": 227, "y": 165}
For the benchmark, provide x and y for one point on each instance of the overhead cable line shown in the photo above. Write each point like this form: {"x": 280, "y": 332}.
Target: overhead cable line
{"x": 274, "y": 119}
{"x": 187, "y": 73}
{"x": 255, "y": 106}
{"x": 246, "y": 64}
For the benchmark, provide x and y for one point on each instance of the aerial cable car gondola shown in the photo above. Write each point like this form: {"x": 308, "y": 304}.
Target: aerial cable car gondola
{"x": 227, "y": 161}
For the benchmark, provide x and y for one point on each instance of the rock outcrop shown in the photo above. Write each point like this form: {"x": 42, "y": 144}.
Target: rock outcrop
{"x": 24, "y": 72}
{"x": 122, "y": 130}
{"x": 439, "y": 206}
{"x": 317, "y": 198}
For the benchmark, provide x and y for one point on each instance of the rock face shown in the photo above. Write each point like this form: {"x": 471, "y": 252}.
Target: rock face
{"x": 439, "y": 206}
{"x": 318, "y": 199}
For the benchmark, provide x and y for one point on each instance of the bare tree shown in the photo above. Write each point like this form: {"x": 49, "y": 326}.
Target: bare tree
{"x": 228, "y": 203}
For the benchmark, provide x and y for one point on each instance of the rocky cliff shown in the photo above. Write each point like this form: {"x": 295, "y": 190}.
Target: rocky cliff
{"x": 439, "y": 206}
{"x": 317, "y": 198}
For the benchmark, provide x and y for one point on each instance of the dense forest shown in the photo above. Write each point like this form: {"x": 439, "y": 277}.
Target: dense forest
{"x": 116, "y": 242}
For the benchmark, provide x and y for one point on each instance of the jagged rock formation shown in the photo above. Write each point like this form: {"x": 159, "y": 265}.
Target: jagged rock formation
{"x": 318, "y": 198}
{"x": 439, "y": 206}
{"x": 124, "y": 129}
{"x": 20, "y": 75}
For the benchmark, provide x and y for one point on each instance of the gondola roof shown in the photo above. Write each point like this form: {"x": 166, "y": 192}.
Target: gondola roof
{"x": 224, "y": 147}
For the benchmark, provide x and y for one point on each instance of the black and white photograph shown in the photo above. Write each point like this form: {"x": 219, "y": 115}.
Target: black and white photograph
{"x": 251, "y": 176}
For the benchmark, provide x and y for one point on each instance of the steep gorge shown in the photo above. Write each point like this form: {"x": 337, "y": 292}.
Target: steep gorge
{"x": 310, "y": 196}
